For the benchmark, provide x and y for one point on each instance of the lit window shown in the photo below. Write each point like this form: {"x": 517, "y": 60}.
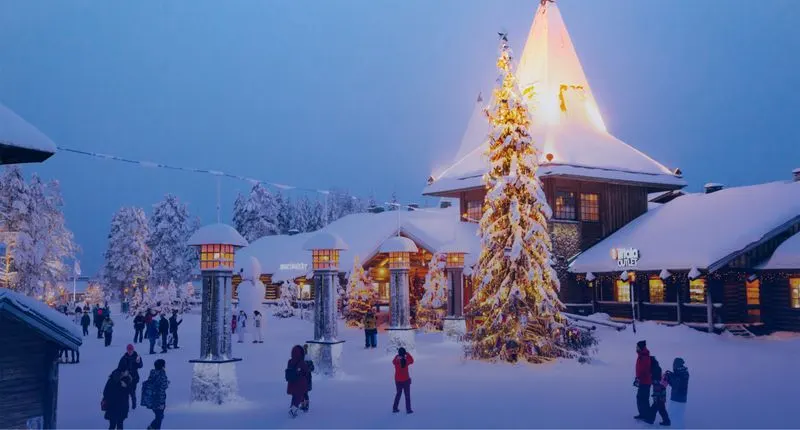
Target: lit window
{"x": 213, "y": 256}
{"x": 565, "y": 205}
{"x": 590, "y": 207}
{"x": 656, "y": 290}
{"x": 794, "y": 286}
{"x": 474, "y": 210}
{"x": 622, "y": 291}
{"x": 325, "y": 258}
{"x": 399, "y": 260}
{"x": 753, "y": 292}
{"x": 697, "y": 291}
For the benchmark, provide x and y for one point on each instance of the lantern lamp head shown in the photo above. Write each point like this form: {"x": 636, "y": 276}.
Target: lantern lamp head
{"x": 455, "y": 255}
{"x": 325, "y": 249}
{"x": 217, "y": 244}
{"x": 399, "y": 249}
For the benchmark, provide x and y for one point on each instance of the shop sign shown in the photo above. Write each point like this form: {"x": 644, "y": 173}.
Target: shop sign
{"x": 625, "y": 257}
{"x": 293, "y": 266}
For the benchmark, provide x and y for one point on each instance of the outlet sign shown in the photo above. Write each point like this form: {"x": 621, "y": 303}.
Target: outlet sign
{"x": 625, "y": 257}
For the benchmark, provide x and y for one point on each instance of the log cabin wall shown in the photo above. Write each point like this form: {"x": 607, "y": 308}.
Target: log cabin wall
{"x": 25, "y": 391}
{"x": 777, "y": 310}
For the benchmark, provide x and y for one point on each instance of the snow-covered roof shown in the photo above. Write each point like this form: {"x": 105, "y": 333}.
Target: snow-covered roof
{"x": 20, "y": 142}
{"x": 217, "y": 234}
{"x": 567, "y": 123}
{"x": 700, "y": 230}
{"x": 399, "y": 244}
{"x": 325, "y": 240}
{"x": 52, "y": 324}
{"x": 284, "y": 257}
{"x": 786, "y": 256}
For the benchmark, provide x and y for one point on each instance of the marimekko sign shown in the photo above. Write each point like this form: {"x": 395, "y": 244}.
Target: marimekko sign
{"x": 625, "y": 257}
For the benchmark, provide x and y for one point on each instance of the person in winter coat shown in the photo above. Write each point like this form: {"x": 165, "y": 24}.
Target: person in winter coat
{"x": 108, "y": 330}
{"x": 115, "y": 398}
{"x": 370, "y": 330}
{"x": 296, "y": 379}
{"x": 678, "y": 379}
{"x": 241, "y": 325}
{"x": 643, "y": 380}
{"x": 152, "y": 334}
{"x": 132, "y": 362}
{"x": 233, "y": 324}
{"x": 154, "y": 393}
{"x": 402, "y": 380}
{"x": 163, "y": 330}
{"x": 304, "y": 406}
{"x": 138, "y": 328}
{"x": 257, "y": 321}
{"x": 148, "y": 316}
{"x": 659, "y": 405}
{"x": 173, "y": 328}
{"x": 85, "y": 321}
{"x": 98, "y": 316}
{"x": 78, "y": 314}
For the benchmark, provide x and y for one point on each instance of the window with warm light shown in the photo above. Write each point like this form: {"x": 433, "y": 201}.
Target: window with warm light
{"x": 213, "y": 256}
{"x": 622, "y": 291}
{"x": 474, "y": 210}
{"x": 399, "y": 260}
{"x": 697, "y": 290}
{"x": 383, "y": 290}
{"x": 455, "y": 259}
{"x": 753, "y": 289}
{"x": 565, "y": 205}
{"x": 794, "y": 287}
{"x": 304, "y": 291}
{"x": 325, "y": 259}
{"x": 590, "y": 207}
{"x": 656, "y": 290}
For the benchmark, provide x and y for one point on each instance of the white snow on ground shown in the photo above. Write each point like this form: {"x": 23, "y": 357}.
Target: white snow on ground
{"x": 735, "y": 383}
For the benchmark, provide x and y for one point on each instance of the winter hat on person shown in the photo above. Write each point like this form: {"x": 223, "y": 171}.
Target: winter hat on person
{"x": 678, "y": 363}
{"x": 129, "y": 348}
{"x": 641, "y": 344}
{"x": 401, "y": 352}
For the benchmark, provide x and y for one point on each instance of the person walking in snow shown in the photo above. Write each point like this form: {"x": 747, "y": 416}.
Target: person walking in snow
{"x": 108, "y": 330}
{"x": 233, "y": 324}
{"x": 659, "y": 405}
{"x": 370, "y": 330}
{"x": 154, "y": 393}
{"x": 132, "y": 362}
{"x": 296, "y": 379}
{"x": 678, "y": 379}
{"x": 115, "y": 397}
{"x": 98, "y": 320}
{"x": 402, "y": 380}
{"x": 173, "y": 328}
{"x": 310, "y": 363}
{"x": 257, "y": 336}
{"x": 152, "y": 334}
{"x": 163, "y": 330}
{"x": 241, "y": 325}
{"x": 643, "y": 380}
{"x": 138, "y": 328}
{"x": 85, "y": 321}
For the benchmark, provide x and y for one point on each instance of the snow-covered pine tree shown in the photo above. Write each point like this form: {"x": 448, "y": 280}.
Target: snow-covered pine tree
{"x": 317, "y": 218}
{"x": 430, "y": 310}
{"x": 302, "y": 215}
{"x": 14, "y": 199}
{"x": 284, "y": 214}
{"x": 360, "y": 296}
{"x": 142, "y": 301}
{"x": 239, "y": 216}
{"x": 127, "y": 258}
{"x": 288, "y": 296}
{"x": 516, "y": 295}
{"x": 257, "y": 215}
{"x": 170, "y": 227}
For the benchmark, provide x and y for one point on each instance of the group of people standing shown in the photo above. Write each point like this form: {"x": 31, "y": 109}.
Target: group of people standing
{"x": 165, "y": 329}
{"x": 240, "y": 326}
{"x": 650, "y": 375}
{"x": 119, "y": 393}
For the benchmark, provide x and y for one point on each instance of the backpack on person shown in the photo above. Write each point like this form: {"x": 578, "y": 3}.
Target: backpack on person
{"x": 147, "y": 394}
{"x": 292, "y": 374}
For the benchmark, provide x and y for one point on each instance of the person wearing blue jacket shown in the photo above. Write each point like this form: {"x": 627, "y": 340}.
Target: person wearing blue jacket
{"x": 152, "y": 334}
{"x": 678, "y": 379}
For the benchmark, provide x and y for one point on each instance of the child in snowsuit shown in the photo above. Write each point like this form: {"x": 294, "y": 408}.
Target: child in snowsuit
{"x": 241, "y": 325}
{"x": 154, "y": 393}
{"x": 678, "y": 379}
{"x": 85, "y": 321}
{"x": 108, "y": 330}
{"x": 659, "y": 395}
{"x": 310, "y": 365}
{"x": 296, "y": 379}
{"x": 370, "y": 330}
{"x": 257, "y": 336}
{"x": 402, "y": 380}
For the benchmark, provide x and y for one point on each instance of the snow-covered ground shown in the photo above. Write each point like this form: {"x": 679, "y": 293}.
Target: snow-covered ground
{"x": 735, "y": 383}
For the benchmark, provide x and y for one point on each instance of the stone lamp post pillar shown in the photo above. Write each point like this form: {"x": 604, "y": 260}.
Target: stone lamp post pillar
{"x": 454, "y": 325}
{"x": 326, "y": 348}
{"x": 401, "y": 334}
{"x": 214, "y": 377}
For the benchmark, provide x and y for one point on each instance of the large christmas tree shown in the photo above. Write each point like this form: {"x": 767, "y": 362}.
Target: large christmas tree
{"x": 516, "y": 305}
{"x": 430, "y": 310}
{"x": 360, "y": 296}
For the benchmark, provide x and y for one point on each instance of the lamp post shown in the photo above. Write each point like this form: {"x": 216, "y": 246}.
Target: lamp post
{"x": 454, "y": 325}
{"x": 401, "y": 334}
{"x": 214, "y": 377}
{"x": 326, "y": 349}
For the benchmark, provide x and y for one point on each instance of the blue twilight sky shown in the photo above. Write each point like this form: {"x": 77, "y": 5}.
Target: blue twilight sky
{"x": 372, "y": 94}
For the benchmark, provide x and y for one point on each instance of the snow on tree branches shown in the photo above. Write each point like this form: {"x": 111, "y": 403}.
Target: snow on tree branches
{"x": 127, "y": 258}
{"x": 430, "y": 312}
{"x": 516, "y": 302}
{"x": 256, "y": 215}
{"x": 288, "y": 296}
{"x": 94, "y": 295}
{"x": 170, "y": 228}
{"x": 360, "y": 296}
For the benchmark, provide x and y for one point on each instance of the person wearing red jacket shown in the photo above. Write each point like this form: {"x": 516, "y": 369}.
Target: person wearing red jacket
{"x": 402, "y": 380}
{"x": 643, "y": 381}
{"x": 297, "y": 373}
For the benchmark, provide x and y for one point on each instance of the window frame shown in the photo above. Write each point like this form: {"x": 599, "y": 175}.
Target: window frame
{"x": 584, "y": 214}
{"x": 750, "y": 287}
{"x": 563, "y": 213}
{"x": 659, "y": 283}
{"x": 473, "y": 206}
{"x": 620, "y": 292}
{"x": 695, "y": 284}
{"x": 794, "y": 292}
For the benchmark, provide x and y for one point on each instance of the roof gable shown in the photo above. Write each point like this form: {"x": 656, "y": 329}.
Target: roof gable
{"x": 50, "y": 323}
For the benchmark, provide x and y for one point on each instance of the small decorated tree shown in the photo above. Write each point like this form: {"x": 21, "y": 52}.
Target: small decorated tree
{"x": 430, "y": 309}
{"x": 360, "y": 296}
{"x": 285, "y": 307}
{"x": 94, "y": 295}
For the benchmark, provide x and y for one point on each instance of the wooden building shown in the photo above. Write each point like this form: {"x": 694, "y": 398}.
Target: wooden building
{"x": 29, "y": 369}
{"x": 779, "y": 278}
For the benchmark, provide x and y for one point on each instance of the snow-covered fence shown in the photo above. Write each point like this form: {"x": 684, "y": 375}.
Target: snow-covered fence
{"x": 616, "y": 326}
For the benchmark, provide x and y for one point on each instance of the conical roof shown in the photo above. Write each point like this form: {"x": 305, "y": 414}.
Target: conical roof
{"x": 567, "y": 124}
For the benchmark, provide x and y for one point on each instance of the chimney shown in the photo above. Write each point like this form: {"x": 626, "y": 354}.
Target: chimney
{"x": 413, "y": 206}
{"x": 445, "y": 205}
{"x": 796, "y": 174}
{"x": 712, "y": 187}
